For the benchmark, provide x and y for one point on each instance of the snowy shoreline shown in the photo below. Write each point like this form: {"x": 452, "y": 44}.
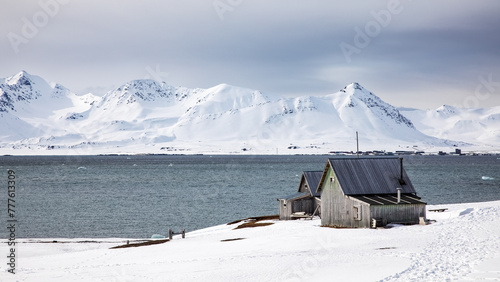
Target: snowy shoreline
{"x": 462, "y": 244}
{"x": 235, "y": 150}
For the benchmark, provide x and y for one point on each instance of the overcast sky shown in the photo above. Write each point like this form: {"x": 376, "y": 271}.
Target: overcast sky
{"x": 409, "y": 53}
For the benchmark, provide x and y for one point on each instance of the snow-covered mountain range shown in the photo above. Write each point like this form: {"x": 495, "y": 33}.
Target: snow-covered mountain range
{"x": 146, "y": 116}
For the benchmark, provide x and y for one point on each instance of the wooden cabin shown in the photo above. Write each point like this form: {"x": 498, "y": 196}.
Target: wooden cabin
{"x": 306, "y": 201}
{"x": 368, "y": 192}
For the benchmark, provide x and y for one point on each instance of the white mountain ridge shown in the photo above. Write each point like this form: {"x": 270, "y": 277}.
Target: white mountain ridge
{"x": 146, "y": 116}
{"x": 478, "y": 126}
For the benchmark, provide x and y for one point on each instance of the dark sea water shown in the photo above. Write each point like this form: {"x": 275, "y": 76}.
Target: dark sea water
{"x": 138, "y": 196}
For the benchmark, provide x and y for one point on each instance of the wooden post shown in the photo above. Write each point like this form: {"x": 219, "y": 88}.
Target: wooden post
{"x": 171, "y": 233}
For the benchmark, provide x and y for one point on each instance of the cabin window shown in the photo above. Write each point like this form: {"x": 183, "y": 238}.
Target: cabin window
{"x": 356, "y": 212}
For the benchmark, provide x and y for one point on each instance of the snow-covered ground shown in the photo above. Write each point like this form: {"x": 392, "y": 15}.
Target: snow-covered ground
{"x": 462, "y": 244}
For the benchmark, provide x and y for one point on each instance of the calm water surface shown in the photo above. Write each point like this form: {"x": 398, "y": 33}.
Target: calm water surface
{"x": 137, "y": 196}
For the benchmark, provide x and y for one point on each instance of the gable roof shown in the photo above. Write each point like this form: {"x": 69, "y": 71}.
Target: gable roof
{"x": 369, "y": 176}
{"x": 312, "y": 179}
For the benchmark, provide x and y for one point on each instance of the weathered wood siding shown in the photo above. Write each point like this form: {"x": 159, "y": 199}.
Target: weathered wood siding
{"x": 285, "y": 211}
{"x": 345, "y": 212}
{"x": 327, "y": 196}
{"x": 303, "y": 186}
{"x": 355, "y": 214}
{"x": 337, "y": 210}
{"x": 403, "y": 213}
{"x": 307, "y": 205}
{"x": 303, "y": 205}
{"x": 317, "y": 202}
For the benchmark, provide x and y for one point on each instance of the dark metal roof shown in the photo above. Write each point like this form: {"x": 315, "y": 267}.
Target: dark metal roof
{"x": 389, "y": 199}
{"x": 370, "y": 176}
{"x": 295, "y": 196}
{"x": 312, "y": 179}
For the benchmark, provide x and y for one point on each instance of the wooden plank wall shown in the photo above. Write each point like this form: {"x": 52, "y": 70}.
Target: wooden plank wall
{"x": 307, "y": 205}
{"x": 317, "y": 202}
{"x": 285, "y": 211}
{"x": 333, "y": 207}
{"x": 399, "y": 213}
{"x": 303, "y": 205}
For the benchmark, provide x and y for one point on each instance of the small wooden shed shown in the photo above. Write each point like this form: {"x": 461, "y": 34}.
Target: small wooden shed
{"x": 306, "y": 201}
{"x": 368, "y": 192}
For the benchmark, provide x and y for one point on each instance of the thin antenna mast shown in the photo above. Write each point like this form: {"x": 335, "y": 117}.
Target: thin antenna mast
{"x": 357, "y": 145}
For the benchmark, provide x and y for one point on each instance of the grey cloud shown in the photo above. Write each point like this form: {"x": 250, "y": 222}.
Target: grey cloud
{"x": 284, "y": 47}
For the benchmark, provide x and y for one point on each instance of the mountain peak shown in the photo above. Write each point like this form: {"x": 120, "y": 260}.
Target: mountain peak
{"x": 353, "y": 87}
{"x": 16, "y": 88}
{"x": 20, "y": 90}
{"x": 356, "y": 98}
{"x": 357, "y": 90}
{"x": 356, "y": 85}
{"x": 140, "y": 90}
{"x": 21, "y": 78}
{"x": 447, "y": 108}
